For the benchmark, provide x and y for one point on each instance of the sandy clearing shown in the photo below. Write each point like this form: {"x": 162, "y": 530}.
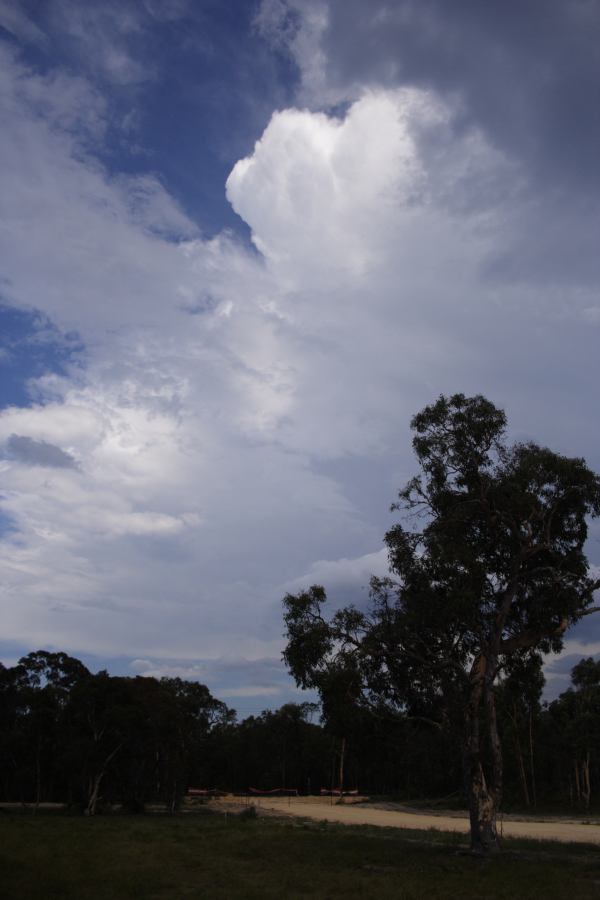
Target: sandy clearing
{"x": 357, "y": 814}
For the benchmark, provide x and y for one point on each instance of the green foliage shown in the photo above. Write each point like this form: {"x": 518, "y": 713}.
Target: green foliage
{"x": 170, "y": 734}
{"x": 487, "y": 570}
{"x": 278, "y": 749}
{"x": 497, "y": 566}
{"x": 69, "y": 735}
{"x": 573, "y": 723}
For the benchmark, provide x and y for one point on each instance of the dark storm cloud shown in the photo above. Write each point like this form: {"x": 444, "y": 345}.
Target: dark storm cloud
{"x": 588, "y": 630}
{"x": 553, "y": 240}
{"x": 526, "y": 71}
{"x": 38, "y": 453}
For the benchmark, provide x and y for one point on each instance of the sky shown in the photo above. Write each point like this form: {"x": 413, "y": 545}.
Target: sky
{"x": 242, "y": 243}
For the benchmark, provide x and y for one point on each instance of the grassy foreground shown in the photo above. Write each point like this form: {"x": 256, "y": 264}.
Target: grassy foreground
{"x": 209, "y": 856}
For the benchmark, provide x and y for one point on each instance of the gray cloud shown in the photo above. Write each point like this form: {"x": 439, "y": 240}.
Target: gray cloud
{"x": 526, "y": 72}
{"x": 38, "y": 453}
{"x": 249, "y": 686}
{"x": 563, "y": 664}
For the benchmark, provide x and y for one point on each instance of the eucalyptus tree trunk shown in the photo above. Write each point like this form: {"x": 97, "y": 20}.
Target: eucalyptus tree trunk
{"x": 586, "y": 790}
{"x": 531, "y": 760}
{"x": 484, "y": 793}
{"x": 94, "y": 794}
{"x": 174, "y": 799}
{"x": 96, "y": 781}
{"x": 342, "y": 755}
{"x": 577, "y": 784}
{"x": 519, "y": 756}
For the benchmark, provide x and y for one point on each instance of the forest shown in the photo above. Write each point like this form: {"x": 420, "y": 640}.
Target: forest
{"x": 99, "y": 742}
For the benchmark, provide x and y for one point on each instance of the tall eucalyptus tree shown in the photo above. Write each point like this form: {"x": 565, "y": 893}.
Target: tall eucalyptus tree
{"x": 487, "y": 568}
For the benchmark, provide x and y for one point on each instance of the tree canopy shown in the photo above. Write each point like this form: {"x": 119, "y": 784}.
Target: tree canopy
{"x": 487, "y": 570}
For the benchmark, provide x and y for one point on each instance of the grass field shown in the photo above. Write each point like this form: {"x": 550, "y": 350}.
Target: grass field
{"x": 210, "y": 856}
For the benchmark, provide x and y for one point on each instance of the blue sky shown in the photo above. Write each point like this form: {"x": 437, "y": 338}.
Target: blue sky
{"x": 242, "y": 244}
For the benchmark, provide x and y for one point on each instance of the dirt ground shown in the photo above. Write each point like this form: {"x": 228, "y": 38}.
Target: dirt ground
{"x": 365, "y": 813}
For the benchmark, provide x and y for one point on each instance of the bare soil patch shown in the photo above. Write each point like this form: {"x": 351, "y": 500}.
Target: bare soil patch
{"x": 391, "y": 816}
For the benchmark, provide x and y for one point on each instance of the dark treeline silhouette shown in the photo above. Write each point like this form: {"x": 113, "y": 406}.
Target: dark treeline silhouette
{"x": 70, "y": 735}
{"x": 96, "y": 741}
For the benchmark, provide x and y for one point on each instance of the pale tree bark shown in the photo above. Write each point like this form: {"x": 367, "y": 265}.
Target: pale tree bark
{"x": 519, "y": 757}
{"x": 484, "y": 793}
{"x": 495, "y": 749}
{"x": 96, "y": 781}
{"x": 173, "y": 803}
{"x": 531, "y": 759}
{"x": 586, "y": 791}
{"x": 342, "y": 755}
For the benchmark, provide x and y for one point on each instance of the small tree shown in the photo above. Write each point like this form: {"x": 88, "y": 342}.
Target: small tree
{"x": 486, "y": 569}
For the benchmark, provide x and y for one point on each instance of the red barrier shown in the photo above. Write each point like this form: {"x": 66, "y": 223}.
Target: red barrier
{"x": 335, "y": 792}
{"x": 292, "y": 792}
{"x": 205, "y": 792}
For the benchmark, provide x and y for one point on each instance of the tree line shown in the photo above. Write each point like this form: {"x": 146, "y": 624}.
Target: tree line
{"x": 96, "y": 742}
